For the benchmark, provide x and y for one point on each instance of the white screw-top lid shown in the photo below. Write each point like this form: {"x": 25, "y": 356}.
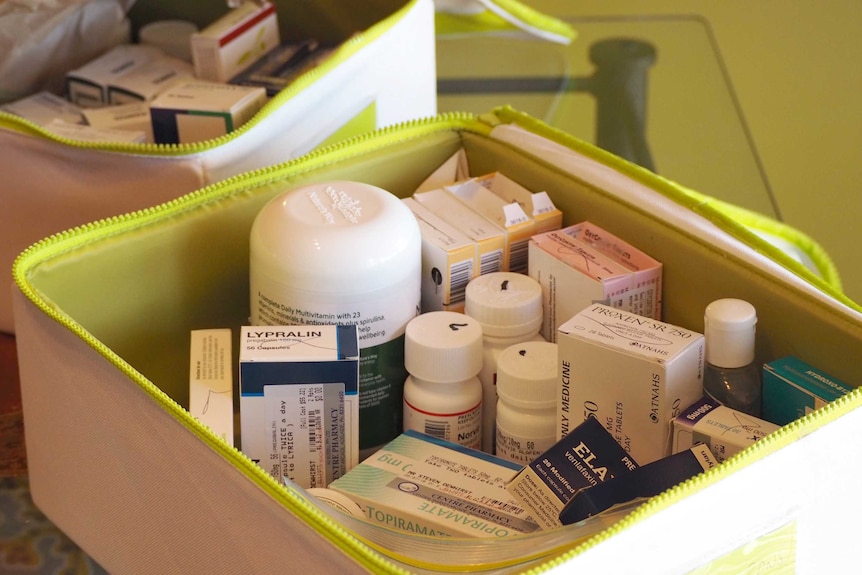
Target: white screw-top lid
{"x": 527, "y": 375}
{"x": 729, "y": 325}
{"x": 507, "y": 304}
{"x": 443, "y": 346}
{"x": 336, "y": 237}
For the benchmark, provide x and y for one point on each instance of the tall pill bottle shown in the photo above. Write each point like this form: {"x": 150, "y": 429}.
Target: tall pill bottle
{"x": 527, "y": 404}
{"x": 442, "y": 395}
{"x": 343, "y": 252}
{"x": 508, "y": 305}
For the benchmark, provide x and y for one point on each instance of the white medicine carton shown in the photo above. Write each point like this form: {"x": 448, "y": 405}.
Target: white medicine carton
{"x": 299, "y": 400}
{"x": 583, "y": 264}
{"x": 235, "y": 41}
{"x": 145, "y": 82}
{"x": 632, "y": 373}
{"x": 87, "y": 86}
{"x": 450, "y": 260}
{"x": 211, "y": 380}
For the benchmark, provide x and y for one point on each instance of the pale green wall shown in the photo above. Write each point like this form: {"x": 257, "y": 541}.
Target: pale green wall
{"x": 795, "y": 66}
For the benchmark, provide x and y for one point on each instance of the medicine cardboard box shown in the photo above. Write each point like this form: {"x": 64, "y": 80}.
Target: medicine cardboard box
{"x": 134, "y": 117}
{"x": 509, "y": 216}
{"x": 235, "y": 41}
{"x": 632, "y": 373}
{"x": 196, "y": 111}
{"x": 428, "y": 486}
{"x": 84, "y": 133}
{"x": 584, "y": 264}
{"x": 211, "y": 380}
{"x": 87, "y": 86}
{"x": 44, "y": 107}
{"x": 587, "y": 456}
{"x": 726, "y": 431}
{"x": 537, "y": 205}
{"x": 793, "y": 388}
{"x": 489, "y": 237}
{"x": 299, "y": 400}
{"x": 450, "y": 260}
{"x": 145, "y": 82}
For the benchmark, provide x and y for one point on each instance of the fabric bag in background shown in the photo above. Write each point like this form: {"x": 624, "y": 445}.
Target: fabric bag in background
{"x": 104, "y": 314}
{"x": 383, "y": 75}
{"x": 383, "y": 72}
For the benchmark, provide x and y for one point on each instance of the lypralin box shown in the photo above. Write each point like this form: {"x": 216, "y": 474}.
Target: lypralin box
{"x": 632, "y": 373}
{"x": 793, "y": 388}
{"x": 584, "y": 264}
{"x": 299, "y": 400}
{"x": 427, "y": 486}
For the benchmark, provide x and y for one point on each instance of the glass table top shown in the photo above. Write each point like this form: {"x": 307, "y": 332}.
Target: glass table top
{"x": 652, "y": 90}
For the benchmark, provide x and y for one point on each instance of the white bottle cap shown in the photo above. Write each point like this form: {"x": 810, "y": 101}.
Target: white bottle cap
{"x": 507, "y": 304}
{"x": 729, "y": 325}
{"x": 173, "y": 37}
{"x": 443, "y": 346}
{"x": 337, "y": 237}
{"x": 527, "y": 375}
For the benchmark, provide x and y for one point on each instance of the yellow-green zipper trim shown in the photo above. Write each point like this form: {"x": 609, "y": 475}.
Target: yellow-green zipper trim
{"x": 73, "y": 238}
{"x": 342, "y": 53}
{"x": 779, "y": 439}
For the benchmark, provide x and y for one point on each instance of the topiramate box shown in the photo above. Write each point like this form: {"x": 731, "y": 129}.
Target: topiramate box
{"x": 196, "y": 111}
{"x": 793, "y": 388}
{"x": 428, "y": 486}
{"x": 584, "y": 264}
{"x": 632, "y": 373}
{"x": 235, "y": 41}
{"x": 299, "y": 400}
{"x": 724, "y": 430}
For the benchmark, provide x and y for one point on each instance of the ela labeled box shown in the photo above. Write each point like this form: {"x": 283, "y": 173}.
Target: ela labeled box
{"x": 450, "y": 260}
{"x": 632, "y": 373}
{"x": 211, "y": 380}
{"x": 196, "y": 111}
{"x": 235, "y": 41}
{"x": 427, "y": 486}
{"x": 726, "y": 431}
{"x": 587, "y": 456}
{"x": 299, "y": 402}
{"x": 584, "y": 264}
{"x": 792, "y": 388}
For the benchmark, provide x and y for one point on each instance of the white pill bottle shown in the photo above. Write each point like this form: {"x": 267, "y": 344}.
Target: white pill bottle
{"x": 442, "y": 395}
{"x": 344, "y": 252}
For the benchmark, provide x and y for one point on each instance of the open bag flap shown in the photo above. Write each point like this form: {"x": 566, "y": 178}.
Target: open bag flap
{"x": 125, "y": 293}
{"x": 499, "y": 16}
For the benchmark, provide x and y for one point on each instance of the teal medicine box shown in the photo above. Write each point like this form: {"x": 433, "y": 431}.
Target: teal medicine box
{"x": 793, "y": 388}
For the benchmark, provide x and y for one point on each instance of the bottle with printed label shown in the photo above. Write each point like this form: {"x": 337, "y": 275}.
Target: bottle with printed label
{"x": 343, "y": 252}
{"x": 442, "y": 395}
{"x": 730, "y": 375}
{"x": 508, "y": 305}
{"x": 527, "y": 404}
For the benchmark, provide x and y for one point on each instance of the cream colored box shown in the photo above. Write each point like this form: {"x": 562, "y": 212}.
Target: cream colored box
{"x": 211, "y": 380}
{"x": 537, "y": 205}
{"x": 134, "y": 117}
{"x": 450, "y": 260}
{"x": 196, "y": 111}
{"x": 584, "y": 264}
{"x": 84, "y": 133}
{"x": 509, "y": 216}
{"x": 632, "y": 373}
{"x": 44, "y": 107}
{"x": 145, "y": 82}
{"x": 235, "y": 41}
{"x": 87, "y": 86}
{"x": 489, "y": 237}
